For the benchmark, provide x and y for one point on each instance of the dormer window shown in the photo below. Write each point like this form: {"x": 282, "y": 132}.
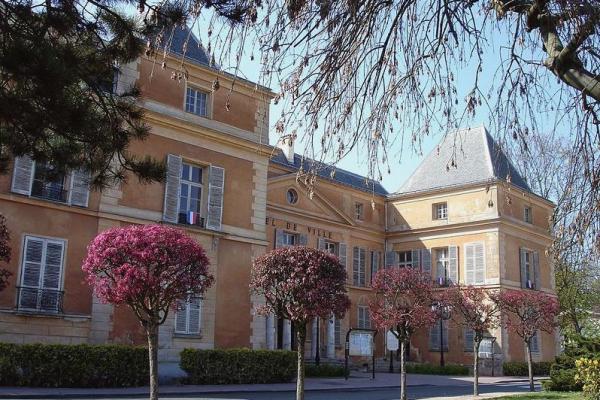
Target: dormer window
{"x": 196, "y": 102}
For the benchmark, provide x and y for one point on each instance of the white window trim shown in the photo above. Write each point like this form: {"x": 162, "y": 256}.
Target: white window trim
{"x": 335, "y": 247}
{"x": 294, "y": 234}
{"x": 530, "y": 219}
{"x": 437, "y": 207}
{"x": 359, "y": 216}
{"x": 465, "y": 263}
{"x": 445, "y": 260}
{"x": 405, "y": 264}
{"x": 209, "y": 99}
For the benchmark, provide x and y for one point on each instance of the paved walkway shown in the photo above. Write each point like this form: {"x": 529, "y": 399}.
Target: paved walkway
{"x": 357, "y": 381}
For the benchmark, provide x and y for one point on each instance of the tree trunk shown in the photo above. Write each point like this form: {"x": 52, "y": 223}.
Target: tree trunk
{"x": 152, "y": 333}
{"x": 402, "y": 370}
{"x": 476, "y": 344}
{"x": 530, "y": 366}
{"x": 301, "y": 335}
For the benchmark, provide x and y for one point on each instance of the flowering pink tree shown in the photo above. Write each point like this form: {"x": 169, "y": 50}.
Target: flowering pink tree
{"x": 402, "y": 303}
{"x": 475, "y": 310}
{"x": 529, "y": 311}
{"x": 300, "y": 284}
{"x": 4, "y": 252}
{"x": 149, "y": 268}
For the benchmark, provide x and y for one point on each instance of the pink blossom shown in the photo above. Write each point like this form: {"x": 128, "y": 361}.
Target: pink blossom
{"x": 4, "y": 252}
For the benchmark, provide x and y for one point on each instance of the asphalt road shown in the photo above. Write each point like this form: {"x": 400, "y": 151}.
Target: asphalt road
{"x": 414, "y": 392}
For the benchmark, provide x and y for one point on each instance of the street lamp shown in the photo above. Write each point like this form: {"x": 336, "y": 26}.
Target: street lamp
{"x": 442, "y": 312}
{"x": 317, "y": 354}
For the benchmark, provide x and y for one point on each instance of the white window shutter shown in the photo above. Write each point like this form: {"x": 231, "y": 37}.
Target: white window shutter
{"x": 22, "y": 175}
{"x": 216, "y": 187}
{"x": 181, "y": 317}
{"x": 391, "y": 259}
{"x": 536, "y": 270}
{"x": 32, "y": 262}
{"x": 355, "y": 265}
{"x": 426, "y": 260}
{"x": 302, "y": 240}
{"x": 278, "y": 238}
{"x": 416, "y": 259}
{"x": 479, "y": 254}
{"x": 321, "y": 243}
{"x": 470, "y": 264}
{"x": 453, "y": 264}
{"x": 172, "y": 189}
{"x": 80, "y": 188}
{"x": 194, "y": 315}
{"x": 343, "y": 254}
{"x": 523, "y": 267}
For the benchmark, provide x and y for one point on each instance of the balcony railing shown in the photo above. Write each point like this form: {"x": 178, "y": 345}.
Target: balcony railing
{"x": 47, "y": 191}
{"x": 40, "y": 300}
{"x": 196, "y": 221}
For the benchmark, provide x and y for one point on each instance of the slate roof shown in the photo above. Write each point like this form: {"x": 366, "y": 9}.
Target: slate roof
{"x": 340, "y": 176}
{"x": 195, "y": 52}
{"x": 461, "y": 158}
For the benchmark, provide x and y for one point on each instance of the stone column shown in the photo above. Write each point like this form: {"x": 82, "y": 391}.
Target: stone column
{"x": 287, "y": 334}
{"x": 331, "y": 337}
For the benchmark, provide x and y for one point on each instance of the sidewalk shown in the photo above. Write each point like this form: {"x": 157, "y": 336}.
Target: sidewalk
{"x": 357, "y": 381}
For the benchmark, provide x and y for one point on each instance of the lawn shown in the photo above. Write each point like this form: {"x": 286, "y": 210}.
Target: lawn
{"x": 546, "y": 395}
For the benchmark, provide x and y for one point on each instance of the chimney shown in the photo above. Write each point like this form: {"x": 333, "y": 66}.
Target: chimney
{"x": 286, "y": 144}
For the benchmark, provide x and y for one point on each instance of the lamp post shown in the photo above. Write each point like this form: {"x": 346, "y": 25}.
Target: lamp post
{"x": 317, "y": 353}
{"x": 442, "y": 311}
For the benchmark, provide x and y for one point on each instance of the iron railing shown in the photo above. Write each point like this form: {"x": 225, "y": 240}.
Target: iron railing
{"x": 44, "y": 190}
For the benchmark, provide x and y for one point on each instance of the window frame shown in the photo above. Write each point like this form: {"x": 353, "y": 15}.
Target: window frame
{"x": 528, "y": 214}
{"x": 365, "y": 321}
{"x": 361, "y": 268}
{"x": 405, "y": 263}
{"x": 188, "y": 310}
{"x": 203, "y": 186}
{"x": 66, "y": 186}
{"x": 208, "y": 103}
{"x": 294, "y": 194}
{"x": 286, "y": 235}
{"x": 444, "y": 260}
{"x": 437, "y": 214}
{"x": 329, "y": 245}
{"x": 359, "y": 211}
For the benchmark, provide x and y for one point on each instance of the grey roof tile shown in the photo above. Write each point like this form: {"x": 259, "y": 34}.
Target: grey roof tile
{"x": 463, "y": 157}
{"x": 324, "y": 171}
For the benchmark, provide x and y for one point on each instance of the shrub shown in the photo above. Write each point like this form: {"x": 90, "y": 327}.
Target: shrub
{"x": 324, "y": 370}
{"x": 430, "y": 369}
{"x": 563, "y": 371}
{"x": 519, "y": 368}
{"x": 82, "y": 365}
{"x": 588, "y": 373}
{"x": 240, "y": 366}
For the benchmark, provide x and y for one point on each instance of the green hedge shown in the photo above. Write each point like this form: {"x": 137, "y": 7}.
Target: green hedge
{"x": 519, "y": 368}
{"x": 50, "y": 365}
{"x": 562, "y": 372}
{"x": 324, "y": 370}
{"x": 241, "y": 366}
{"x": 430, "y": 369}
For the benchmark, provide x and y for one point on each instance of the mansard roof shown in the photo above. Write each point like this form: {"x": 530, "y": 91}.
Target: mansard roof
{"x": 194, "y": 52}
{"x": 340, "y": 176}
{"x": 463, "y": 157}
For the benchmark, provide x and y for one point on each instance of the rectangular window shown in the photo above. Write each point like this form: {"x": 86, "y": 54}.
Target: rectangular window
{"x": 535, "y": 342}
{"x": 196, "y": 102}
{"x": 440, "y": 211}
{"x": 486, "y": 348}
{"x": 330, "y": 247}
{"x": 442, "y": 265}
{"x": 49, "y": 184}
{"x": 364, "y": 322}
{"x": 375, "y": 263}
{"x": 338, "y": 331}
{"x": 405, "y": 259}
{"x": 434, "y": 336}
{"x": 41, "y": 275}
{"x": 474, "y": 264}
{"x": 188, "y": 317}
{"x": 528, "y": 269}
{"x": 358, "y": 211}
{"x": 191, "y": 210}
{"x": 359, "y": 267}
{"x": 527, "y": 215}
{"x": 290, "y": 239}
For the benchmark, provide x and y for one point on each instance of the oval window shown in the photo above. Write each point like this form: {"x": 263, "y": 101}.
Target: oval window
{"x": 292, "y": 196}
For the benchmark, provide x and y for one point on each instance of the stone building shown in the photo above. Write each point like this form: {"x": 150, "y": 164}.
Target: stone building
{"x": 465, "y": 215}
